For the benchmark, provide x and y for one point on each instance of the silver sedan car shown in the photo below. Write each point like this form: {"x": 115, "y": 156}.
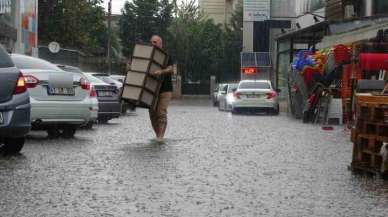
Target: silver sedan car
{"x": 255, "y": 96}
{"x": 226, "y": 97}
{"x": 59, "y": 99}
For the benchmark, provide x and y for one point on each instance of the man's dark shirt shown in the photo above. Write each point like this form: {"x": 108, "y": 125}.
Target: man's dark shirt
{"x": 166, "y": 79}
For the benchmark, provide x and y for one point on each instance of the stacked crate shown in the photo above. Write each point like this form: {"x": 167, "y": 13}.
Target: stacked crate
{"x": 141, "y": 87}
{"x": 370, "y": 133}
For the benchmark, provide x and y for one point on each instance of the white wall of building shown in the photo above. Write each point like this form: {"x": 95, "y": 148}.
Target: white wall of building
{"x": 218, "y": 10}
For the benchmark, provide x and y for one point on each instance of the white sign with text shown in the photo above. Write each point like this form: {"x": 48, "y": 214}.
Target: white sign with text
{"x": 257, "y": 10}
{"x": 5, "y": 6}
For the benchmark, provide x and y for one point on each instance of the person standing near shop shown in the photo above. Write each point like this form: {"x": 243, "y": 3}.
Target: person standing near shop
{"x": 159, "y": 115}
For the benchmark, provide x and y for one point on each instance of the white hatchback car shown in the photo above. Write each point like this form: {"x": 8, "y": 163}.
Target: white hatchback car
{"x": 255, "y": 95}
{"x": 60, "y": 100}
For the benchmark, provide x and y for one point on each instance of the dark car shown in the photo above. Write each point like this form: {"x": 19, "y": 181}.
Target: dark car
{"x": 109, "y": 106}
{"x": 108, "y": 79}
{"x": 15, "y": 106}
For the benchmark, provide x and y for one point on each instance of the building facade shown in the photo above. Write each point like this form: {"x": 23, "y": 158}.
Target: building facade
{"x": 324, "y": 24}
{"x": 8, "y": 31}
{"x": 219, "y": 10}
{"x": 263, "y": 21}
{"x": 19, "y": 26}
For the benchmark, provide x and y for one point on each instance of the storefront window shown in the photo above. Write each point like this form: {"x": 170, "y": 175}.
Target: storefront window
{"x": 381, "y": 7}
{"x": 7, "y": 10}
{"x": 283, "y": 66}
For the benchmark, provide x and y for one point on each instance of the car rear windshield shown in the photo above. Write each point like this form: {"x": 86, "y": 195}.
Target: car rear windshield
{"x": 254, "y": 85}
{"x": 93, "y": 79}
{"x": 231, "y": 87}
{"x": 106, "y": 79}
{"x": 23, "y": 62}
{"x": 5, "y": 60}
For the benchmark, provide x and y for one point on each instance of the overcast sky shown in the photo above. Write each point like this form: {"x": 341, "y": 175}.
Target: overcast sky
{"x": 116, "y": 5}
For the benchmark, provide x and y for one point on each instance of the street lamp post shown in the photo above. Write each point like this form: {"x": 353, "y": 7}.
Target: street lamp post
{"x": 109, "y": 58}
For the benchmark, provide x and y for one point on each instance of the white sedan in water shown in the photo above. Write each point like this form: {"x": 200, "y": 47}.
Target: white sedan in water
{"x": 226, "y": 97}
{"x": 60, "y": 100}
{"x": 255, "y": 96}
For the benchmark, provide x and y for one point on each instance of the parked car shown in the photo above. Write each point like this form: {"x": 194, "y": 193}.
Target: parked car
{"x": 107, "y": 79}
{"x": 110, "y": 79}
{"x": 14, "y": 106}
{"x": 92, "y": 96}
{"x": 226, "y": 97}
{"x": 109, "y": 106}
{"x": 216, "y": 94}
{"x": 120, "y": 78}
{"x": 255, "y": 95}
{"x": 59, "y": 99}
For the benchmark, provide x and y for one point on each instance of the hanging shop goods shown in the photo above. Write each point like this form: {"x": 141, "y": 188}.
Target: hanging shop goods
{"x": 315, "y": 83}
{"x": 373, "y": 61}
{"x": 370, "y": 134}
{"x": 141, "y": 87}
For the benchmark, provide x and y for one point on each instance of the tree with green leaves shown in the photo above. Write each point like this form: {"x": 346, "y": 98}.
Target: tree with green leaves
{"x": 139, "y": 22}
{"x": 233, "y": 37}
{"x": 198, "y": 43}
{"x": 69, "y": 23}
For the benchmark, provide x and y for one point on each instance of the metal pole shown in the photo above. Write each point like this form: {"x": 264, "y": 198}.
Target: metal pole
{"x": 109, "y": 58}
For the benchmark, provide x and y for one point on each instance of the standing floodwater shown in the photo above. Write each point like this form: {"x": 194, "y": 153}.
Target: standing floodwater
{"x": 214, "y": 164}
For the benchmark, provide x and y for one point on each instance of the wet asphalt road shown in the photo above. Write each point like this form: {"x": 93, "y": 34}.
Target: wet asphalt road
{"x": 214, "y": 164}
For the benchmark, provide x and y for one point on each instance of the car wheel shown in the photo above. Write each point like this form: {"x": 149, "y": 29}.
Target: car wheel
{"x": 234, "y": 111}
{"x": 124, "y": 108}
{"x": 89, "y": 125}
{"x": 103, "y": 120}
{"x": 68, "y": 132}
{"x": 276, "y": 110}
{"x": 12, "y": 146}
{"x": 53, "y": 133}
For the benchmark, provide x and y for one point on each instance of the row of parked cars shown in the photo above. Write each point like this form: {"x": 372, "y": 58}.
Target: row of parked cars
{"x": 247, "y": 96}
{"x": 36, "y": 94}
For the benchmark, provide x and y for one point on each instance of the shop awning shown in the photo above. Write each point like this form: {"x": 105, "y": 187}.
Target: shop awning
{"x": 311, "y": 34}
{"x": 354, "y": 34}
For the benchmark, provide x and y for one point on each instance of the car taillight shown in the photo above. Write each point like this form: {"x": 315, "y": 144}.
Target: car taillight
{"x": 31, "y": 81}
{"x": 236, "y": 95}
{"x": 20, "y": 85}
{"x": 93, "y": 92}
{"x": 84, "y": 84}
{"x": 271, "y": 94}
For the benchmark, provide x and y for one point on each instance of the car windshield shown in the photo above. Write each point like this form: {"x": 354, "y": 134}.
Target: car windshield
{"x": 24, "y": 62}
{"x": 105, "y": 78}
{"x": 70, "y": 68}
{"x": 231, "y": 87}
{"x": 93, "y": 79}
{"x": 254, "y": 85}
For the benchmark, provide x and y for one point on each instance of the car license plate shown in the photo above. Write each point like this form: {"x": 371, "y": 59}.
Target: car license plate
{"x": 61, "y": 91}
{"x": 1, "y": 118}
{"x": 253, "y": 96}
{"x": 104, "y": 93}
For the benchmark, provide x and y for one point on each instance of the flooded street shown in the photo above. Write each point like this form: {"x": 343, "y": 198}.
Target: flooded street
{"x": 213, "y": 164}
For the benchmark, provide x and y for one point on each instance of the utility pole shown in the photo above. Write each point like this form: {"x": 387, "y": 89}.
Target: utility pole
{"x": 109, "y": 58}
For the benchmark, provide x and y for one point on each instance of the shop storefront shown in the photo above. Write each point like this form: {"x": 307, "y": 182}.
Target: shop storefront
{"x": 8, "y": 32}
{"x": 289, "y": 44}
{"x": 19, "y": 26}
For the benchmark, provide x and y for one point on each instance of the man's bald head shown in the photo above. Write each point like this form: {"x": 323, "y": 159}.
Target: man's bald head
{"x": 157, "y": 41}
